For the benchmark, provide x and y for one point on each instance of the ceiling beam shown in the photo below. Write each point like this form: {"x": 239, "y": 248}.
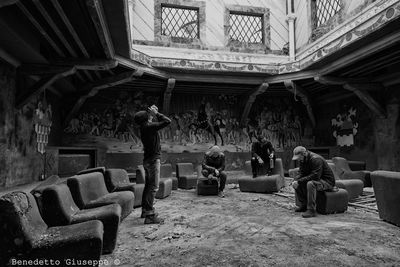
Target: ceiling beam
{"x": 250, "y": 101}
{"x": 4, "y": 3}
{"x": 366, "y": 98}
{"x": 93, "y": 88}
{"x": 297, "y": 90}
{"x": 147, "y": 70}
{"x": 218, "y": 78}
{"x": 361, "y": 52}
{"x": 86, "y": 64}
{"x": 168, "y": 94}
{"x": 359, "y": 89}
{"x": 299, "y": 75}
{"x": 42, "y": 84}
{"x": 97, "y": 15}
{"x": 389, "y": 79}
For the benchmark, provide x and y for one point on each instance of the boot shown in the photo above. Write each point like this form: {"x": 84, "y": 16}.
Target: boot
{"x": 153, "y": 219}
{"x": 309, "y": 214}
{"x": 221, "y": 194}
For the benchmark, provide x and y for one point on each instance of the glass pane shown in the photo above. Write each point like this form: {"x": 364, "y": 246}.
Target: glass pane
{"x": 179, "y": 22}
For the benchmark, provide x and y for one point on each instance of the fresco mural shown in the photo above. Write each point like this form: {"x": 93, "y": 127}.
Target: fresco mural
{"x": 345, "y": 127}
{"x": 197, "y": 123}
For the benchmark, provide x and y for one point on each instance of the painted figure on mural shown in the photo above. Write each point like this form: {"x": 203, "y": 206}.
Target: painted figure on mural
{"x": 345, "y": 128}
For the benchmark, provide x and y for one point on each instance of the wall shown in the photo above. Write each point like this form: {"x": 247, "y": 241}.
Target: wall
{"x": 110, "y": 124}
{"x": 305, "y": 32}
{"x": 143, "y": 29}
{"x": 20, "y": 162}
{"x": 330, "y": 118}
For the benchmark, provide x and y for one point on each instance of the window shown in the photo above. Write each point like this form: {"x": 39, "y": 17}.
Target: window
{"x": 246, "y": 28}
{"x": 180, "y": 22}
{"x": 325, "y": 9}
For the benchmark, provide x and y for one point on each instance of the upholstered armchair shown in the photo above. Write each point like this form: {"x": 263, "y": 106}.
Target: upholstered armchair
{"x": 344, "y": 172}
{"x": 24, "y": 234}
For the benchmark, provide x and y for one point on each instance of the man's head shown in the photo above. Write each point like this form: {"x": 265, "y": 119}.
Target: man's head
{"x": 215, "y": 151}
{"x": 299, "y": 153}
{"x": 141, "y": 117}
{"x": 262, "y": 139}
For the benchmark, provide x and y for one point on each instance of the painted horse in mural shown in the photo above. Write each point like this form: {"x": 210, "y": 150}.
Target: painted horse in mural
{"x": 204, "y": 123}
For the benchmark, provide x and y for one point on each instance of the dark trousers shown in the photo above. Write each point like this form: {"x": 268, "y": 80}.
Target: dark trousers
{"x": 306, "y": 193}
{"x": 221, "y": 178}
{"x": 256, "y": 167}
{"x": 152, "y": 180}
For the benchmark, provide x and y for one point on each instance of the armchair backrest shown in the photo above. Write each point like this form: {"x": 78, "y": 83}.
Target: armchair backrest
{"x": 333, "y": 168}
{"x": 166, "y": 170}
{"x": 87, "y": 187}
{"x": 183, "y": 169}
{"x": 21, "y": 223}
{"x": 341, "y": 164}
{"x": 58, "y": 205}
{"x": 96, "y": 169}
{"x": 115, "y": 177}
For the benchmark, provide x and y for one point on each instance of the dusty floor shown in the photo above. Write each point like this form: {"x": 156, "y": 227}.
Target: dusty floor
{"x": 249, "y": 229}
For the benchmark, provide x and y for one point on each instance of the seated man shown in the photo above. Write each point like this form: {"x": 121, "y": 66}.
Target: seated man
{"x": 314, "y": 175}
{"x": 213, "y": 166}
{"x": 262, "y": 152}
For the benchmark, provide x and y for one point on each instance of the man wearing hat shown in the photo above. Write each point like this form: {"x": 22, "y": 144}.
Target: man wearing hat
{"x": 314, "y": 175}
{"x": 213, "y": 166}
{"x": 262, "y": 153}
{"x": 151, "y": 158}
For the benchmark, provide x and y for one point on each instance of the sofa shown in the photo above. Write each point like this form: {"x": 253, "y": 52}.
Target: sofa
{"x": 264, "y": 184}
{"x": 89, "y": 191}
{"x": 60, "y": 209}
{"x": 386, "y": 186}
{"x": 25, "y": 236}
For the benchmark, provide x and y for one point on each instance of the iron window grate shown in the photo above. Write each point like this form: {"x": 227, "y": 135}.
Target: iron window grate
{"x": 180, "y": 22}
{"x": 326, "y": 9}
{"x": 246, "y": 28}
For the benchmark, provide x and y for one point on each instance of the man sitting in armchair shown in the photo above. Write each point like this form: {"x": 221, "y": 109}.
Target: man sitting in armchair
{"x": 213, "y": 167}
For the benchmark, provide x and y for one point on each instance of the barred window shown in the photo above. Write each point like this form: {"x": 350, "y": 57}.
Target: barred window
{"x": 325, "y": 9}
{"x": 179, "y": 21}
{"x": 246, "y": 28}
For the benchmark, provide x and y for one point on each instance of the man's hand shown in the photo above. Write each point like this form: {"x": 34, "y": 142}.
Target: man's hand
{"x": 271, "y": 155}
{"x": 260, "y": 160}
{"x": 295, "y": 185}
{"x": 153, "y": 109}
{"x": 216, "y": 172}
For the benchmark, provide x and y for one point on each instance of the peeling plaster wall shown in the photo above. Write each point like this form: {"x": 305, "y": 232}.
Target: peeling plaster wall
{"x": 20, "y": 163}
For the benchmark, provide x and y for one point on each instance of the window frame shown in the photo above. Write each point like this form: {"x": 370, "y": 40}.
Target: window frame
{"x": 250, "y": 15}
{"x": 199, "y": 6}
{"x": 263, "y": 12}
{"x": 165, "y": 5}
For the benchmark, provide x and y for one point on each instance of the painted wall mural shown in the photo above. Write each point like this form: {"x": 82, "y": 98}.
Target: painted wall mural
{"x": 198, "y": 122}
{"x": 345, "y": 127}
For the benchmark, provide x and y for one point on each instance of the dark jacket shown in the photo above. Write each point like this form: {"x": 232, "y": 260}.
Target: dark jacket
{"x": 211, "y": 163}
{"x": 151, "y": 139}
{"x": 262, "y": 150}
{"x": 314, "y": 167}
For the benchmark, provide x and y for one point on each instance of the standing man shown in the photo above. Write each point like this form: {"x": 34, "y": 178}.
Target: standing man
{"x": 314, "y": 175}
{"x": 151, "y": 160}
{"x": 262, "y": 153}
{"x": 213, "y": 166}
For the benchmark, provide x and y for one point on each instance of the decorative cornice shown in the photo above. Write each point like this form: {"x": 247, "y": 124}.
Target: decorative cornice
{"x": 372, "y": 19}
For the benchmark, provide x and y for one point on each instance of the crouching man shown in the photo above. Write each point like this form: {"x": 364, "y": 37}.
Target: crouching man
{"x": 213, "y": 166}
{"x": 314, "y": 175}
